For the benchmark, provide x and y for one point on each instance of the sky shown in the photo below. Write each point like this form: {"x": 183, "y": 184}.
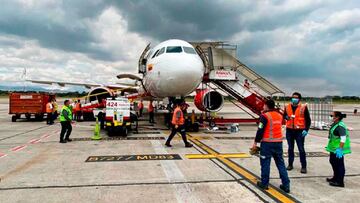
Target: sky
{"x": 310, "y": 46}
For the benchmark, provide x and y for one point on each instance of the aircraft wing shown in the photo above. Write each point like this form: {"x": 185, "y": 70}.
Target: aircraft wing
{"x": 62, "y": 83}
{"x": 122, "y": 87}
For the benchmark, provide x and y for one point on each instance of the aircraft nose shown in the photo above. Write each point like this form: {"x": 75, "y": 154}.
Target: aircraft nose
{"x": 190, "y": 67}
{"x": 188, "y": 75}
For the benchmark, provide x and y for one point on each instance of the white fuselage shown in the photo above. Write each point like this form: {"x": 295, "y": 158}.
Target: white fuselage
{"x": 173, "y": 69}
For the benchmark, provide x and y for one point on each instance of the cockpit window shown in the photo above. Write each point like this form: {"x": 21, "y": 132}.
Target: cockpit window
{"x": 162, "y": 50}
{"x": 173, "y": 49}
{"x": 155, "y": 53}
{"x": 189, "y": 50}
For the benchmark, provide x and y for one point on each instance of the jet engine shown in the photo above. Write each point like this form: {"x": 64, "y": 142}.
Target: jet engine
{"x": 208, "y": 100}
{"x": 100, "y": 93}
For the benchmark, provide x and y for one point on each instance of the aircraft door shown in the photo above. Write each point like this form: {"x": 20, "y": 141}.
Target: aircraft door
{"x": 143, "y": 60}
{"x": 204, "y": 58}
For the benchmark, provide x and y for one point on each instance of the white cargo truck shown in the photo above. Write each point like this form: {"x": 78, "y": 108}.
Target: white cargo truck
{"x": 117, "y": 116}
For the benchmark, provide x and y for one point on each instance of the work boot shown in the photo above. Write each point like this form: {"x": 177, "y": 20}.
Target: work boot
{"x": 330, "y": 179}
{"x": 264, "y": 187}
{"x": 62, "y": 141}
{"x": 289, "y": 168}
{"x": 336, "y": 184}
{"x": 303, "y": 170}
{"x": 68, "y": 139}
{"x": 285, "y": 189}
{"x": 168, "y": 145}
{"x": 188, "y": 145}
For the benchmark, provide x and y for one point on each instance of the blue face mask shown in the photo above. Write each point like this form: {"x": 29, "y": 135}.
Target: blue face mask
{"x": 294, "y": 101}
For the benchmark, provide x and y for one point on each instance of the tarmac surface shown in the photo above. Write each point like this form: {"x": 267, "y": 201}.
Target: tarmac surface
{"x": 35, "y": 167}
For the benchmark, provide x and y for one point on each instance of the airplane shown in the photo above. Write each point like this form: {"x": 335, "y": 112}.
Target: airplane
{"x": 171, "y": 69}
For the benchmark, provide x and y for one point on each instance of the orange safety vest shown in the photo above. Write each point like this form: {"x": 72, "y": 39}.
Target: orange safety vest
{"x": 273, "y": 131}
{"x": 297, "y": 120}
{"x": 77, "y": 107}
{"x": 151, "y": 108}
{"x": 176, "y": 121}
{"x": 49, "y": 109}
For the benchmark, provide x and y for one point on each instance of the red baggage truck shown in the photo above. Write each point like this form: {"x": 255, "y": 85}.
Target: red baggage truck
{"x": 28, "y": 104}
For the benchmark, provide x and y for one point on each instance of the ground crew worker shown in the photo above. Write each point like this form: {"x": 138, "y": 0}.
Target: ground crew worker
{"x": 298, "y": 122}
{"x": 151, "y": 112}
{"x": 178, "y": 125}
{"x": 65, "y": 120}
{"x": 49, "y": 113}
{"x": 78, "y": 110}
{"x": 141, "y": 108}
{"x": 55, "y": 110}
{"x": 338, "y": 145}
{"x": 270, "y": 135}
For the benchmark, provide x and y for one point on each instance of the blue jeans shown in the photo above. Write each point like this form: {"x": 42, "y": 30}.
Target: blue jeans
{"x": 275, "y": 150}
{"x": 291, "y": 137}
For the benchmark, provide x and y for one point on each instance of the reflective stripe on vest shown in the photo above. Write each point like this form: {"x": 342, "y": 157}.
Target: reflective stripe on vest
{"x": 273, "y": 131}
{"x": 176, "y": 121}
{"x": 297, "y": 122}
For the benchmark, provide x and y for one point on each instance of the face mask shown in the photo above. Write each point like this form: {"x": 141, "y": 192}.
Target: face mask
{"x": 294, "y": 101}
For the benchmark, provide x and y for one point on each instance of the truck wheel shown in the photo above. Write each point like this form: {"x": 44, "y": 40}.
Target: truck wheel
{"x": 111, "y": 131}
{"x": 125, "y": 132}
{"x": 28, "y": 116}
{"x": 39, "y": 117}
{"x": 13, "y": 118}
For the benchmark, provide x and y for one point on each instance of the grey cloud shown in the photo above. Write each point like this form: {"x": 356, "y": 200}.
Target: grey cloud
{"x": 265, "y": 21}
{"x": 217, "y": 20}
{"x": 191, "y": 20}
{"x": 10, "y": 43}
{"x": 71, "y": 33}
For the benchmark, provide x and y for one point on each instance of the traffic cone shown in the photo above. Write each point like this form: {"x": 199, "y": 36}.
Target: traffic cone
{"x": 96, "y": 131}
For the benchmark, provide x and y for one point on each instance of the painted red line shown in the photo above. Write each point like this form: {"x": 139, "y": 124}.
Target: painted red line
{"x": 18, "y": 148}
{"x": 34, "y": 141}
{"x": 56, "y": 131}
{"x": 2, "y": 155}
{"x": 45, "y": 136}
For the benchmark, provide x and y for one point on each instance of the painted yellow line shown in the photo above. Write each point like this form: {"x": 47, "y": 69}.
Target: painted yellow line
{"x": 210, "y": 156}
{"x": 235, "y": 155}
{"x": 250, "y": 177}
{"x": 253, "y": 179}
{"x": 194, "y": 137}
{"x": 200, "y": 156}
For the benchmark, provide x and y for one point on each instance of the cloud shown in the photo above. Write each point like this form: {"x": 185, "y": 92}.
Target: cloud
{"x": 189, "y": 20}
{"x": 307, "y": 45}
{"x": 60, "y": 25}
{"x": 321, "y": 49}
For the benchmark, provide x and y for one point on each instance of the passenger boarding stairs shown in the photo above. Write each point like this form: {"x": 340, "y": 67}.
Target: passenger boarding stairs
{"x": 221, "y": 57}
{"x": 236, "y": 90}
